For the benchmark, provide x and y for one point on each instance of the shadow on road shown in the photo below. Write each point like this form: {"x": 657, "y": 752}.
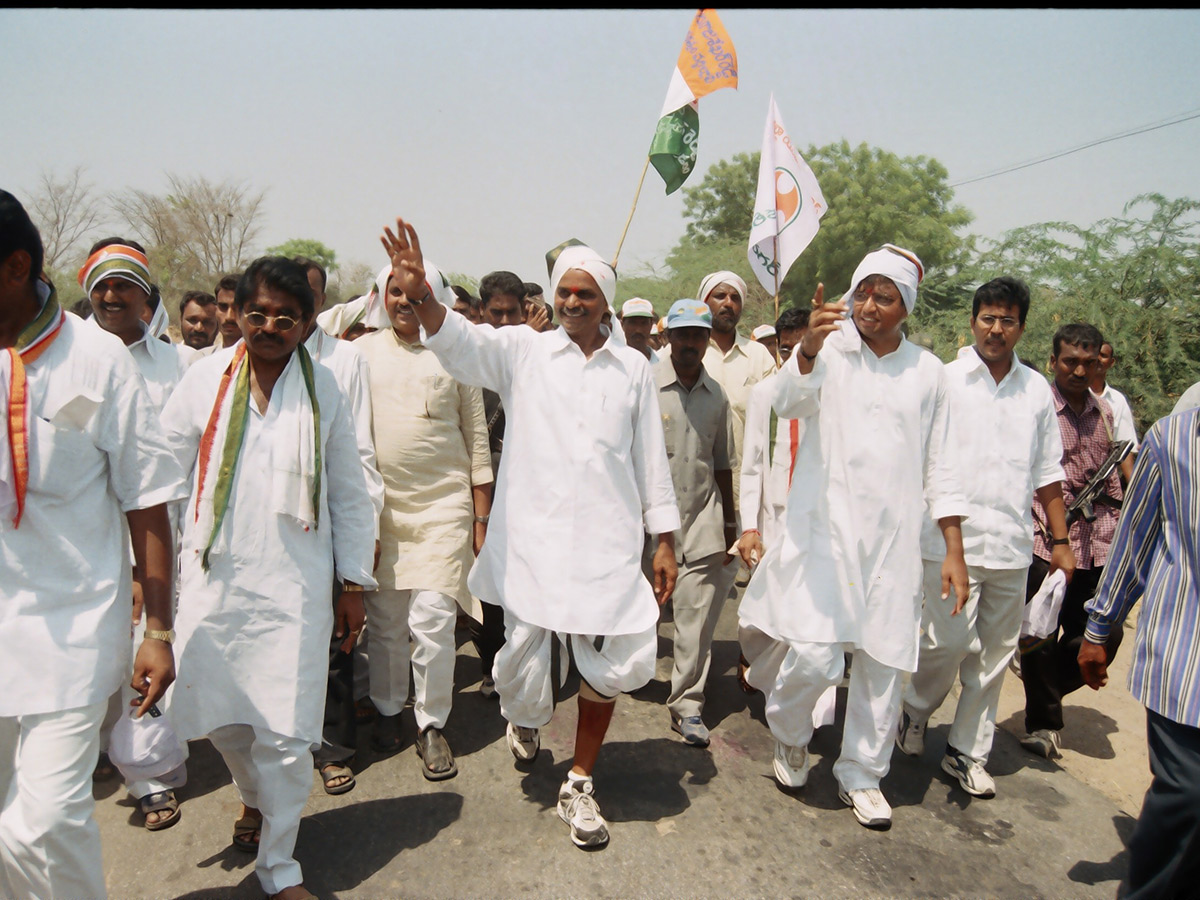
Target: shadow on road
{"x": 383, "y": 829}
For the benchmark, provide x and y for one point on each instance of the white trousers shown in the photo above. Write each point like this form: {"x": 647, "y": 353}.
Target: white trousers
{"x": 699, "y": 597}
{"x": 795, "y": 676}
{"x": 49, "y": 841}
{"x": 612, "y": 664}
{"x": 427, "y": 619}
{"x": 973, "y": 648}
{"x": 272, "y": 774}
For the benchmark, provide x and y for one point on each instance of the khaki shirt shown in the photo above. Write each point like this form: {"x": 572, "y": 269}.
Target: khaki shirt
{"x": 698, "y": 430}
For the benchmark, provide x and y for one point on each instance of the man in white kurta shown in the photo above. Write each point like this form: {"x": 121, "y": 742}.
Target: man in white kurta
{"x": 116, "y": 279}
{"x": 1004, "y": 424}
{"x": 432, "y": 447}
{"x": 80, "y": 456}
{"x": 847, "y": 575}
{"x": 583, "y": 475}
{"x": 340, "y": 739}
{"x": 255, "y": 617}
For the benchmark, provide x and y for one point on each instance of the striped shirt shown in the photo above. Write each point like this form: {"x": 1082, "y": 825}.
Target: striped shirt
{"x": 1156, "y": 556}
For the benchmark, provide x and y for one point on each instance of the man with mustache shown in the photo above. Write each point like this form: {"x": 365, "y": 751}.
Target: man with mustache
{"x": 699, "y": 435}
{"x": 583, "y": 476}
{"x": 198, "y": 319}
{"x": 1003, "y": 420}
{"x": 279, "y": 505}
{"x": 845, "y": 577}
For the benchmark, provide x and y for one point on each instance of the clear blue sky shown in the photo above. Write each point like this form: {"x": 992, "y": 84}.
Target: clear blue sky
{"x": 501, "y": 133}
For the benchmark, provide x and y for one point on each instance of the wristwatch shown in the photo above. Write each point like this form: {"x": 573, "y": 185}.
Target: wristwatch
{"x": 352, "y": 587}
{"x": 1058, "y": 542}
{"x": 483, "y": 520}
{"x": 167, "y": 637}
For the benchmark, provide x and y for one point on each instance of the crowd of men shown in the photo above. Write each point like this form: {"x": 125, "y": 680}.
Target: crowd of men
{"x": 297, "y": 503}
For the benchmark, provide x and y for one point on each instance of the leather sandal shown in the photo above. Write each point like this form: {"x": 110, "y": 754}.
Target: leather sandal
{"x": 246, "y": 833}
{"x": 437, "y": 762}
{"x": 160, "y": 802}
{"x": 330, "y": 772}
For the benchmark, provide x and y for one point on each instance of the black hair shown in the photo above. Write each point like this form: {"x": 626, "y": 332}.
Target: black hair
{"x": 228, "y": 283}
{"x": 1078, "y": 334}
{"x": 501, "y": 283}
{"x": 17, "y": 232}
{"x": 1003, "y": 291}
{"x": 82, "y": 307}
{"x": 310, "y": 264}
{"x": 278, "y": 273}
{"x": 200, "y": 298}
{"x": 109, "y": 241}
{"x": 791, "y": 319}
{"x": 532, "y": 289}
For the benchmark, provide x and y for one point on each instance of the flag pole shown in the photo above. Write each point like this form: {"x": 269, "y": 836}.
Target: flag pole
{"x": 636, "y": 195}
{"x": 775, "y": 259}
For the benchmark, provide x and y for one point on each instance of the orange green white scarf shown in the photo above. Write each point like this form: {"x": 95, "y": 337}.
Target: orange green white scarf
{"x": 32, "y": 342}
{"x": 297, "y": 494}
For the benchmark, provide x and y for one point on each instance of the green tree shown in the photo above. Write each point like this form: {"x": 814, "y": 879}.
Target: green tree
{"x": 313, "y": 249}
{"x": 874, "y": 197}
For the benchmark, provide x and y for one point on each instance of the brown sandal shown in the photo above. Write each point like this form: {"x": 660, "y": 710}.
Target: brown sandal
{"x": 160, "y": 802}
{"x": 246, "y": 832}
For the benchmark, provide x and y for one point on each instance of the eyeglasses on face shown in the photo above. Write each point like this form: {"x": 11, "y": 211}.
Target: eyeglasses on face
{"x": 282, "y": 323}
{"x": 1008, "y": 323}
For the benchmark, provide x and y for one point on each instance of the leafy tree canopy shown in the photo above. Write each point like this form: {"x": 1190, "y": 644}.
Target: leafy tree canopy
{"x": 314, "y": 250}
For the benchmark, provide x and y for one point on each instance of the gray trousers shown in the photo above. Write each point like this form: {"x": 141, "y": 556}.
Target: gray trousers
{"x": 700, "y": 593}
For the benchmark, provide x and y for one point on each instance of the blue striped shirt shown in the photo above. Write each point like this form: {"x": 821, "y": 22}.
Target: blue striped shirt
{"x": 1155, "y": 556}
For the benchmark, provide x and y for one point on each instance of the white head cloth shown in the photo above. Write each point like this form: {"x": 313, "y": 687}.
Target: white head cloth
{"x": 160, "y": 321}
{"x": 763, "y": 331}
{"x": 723, "y": 277}
{"x": 588, "y": 260}
{"x": 900, "y": 265}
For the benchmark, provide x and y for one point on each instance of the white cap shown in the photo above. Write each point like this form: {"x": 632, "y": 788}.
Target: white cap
{"x": 763, "y": 331}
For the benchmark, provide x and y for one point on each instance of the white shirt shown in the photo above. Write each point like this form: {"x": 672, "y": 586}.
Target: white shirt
{"x": 875, "y": 451}
{"x": 1123, "y": 427}
{"x": 1009, "y": 444}
{"x": 349, "y": 368}
{"x": 765, "y": 471}
{"x": 584, "y": 468}
{"x": 162, "y": 365}
{"x": 253, "y": 644}
{"x": 96, "y": 451}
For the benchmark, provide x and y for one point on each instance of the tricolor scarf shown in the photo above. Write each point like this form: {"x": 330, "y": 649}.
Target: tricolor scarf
{"x": 229, "y": 416}
{"x": 31, "y": 343}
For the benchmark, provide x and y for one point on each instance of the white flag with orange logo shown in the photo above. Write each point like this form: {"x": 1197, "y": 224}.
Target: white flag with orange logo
{"x": 787, "y": 208}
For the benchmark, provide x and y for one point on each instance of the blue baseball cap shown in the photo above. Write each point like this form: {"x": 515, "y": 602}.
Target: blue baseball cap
{"x": 689, "y": 314}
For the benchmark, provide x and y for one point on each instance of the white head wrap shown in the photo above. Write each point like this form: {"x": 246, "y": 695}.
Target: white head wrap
{"x": 723, "y": 277}
{"x": 900, "y": 265}
{"x": 588, "y": 260}
{"x": 160, "y": 321}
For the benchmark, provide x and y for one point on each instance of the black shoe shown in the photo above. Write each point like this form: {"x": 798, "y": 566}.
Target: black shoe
{"x": 436, "y": 758}
{"x": 387, "y": 737}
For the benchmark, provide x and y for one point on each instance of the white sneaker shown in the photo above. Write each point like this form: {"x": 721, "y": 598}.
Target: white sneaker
{"x": 791, "y": 765}
{"x": 869, "y": 807}
{"x": 578, "y": 808}
{"x": 1043, "y": 742}
{"x": 523, "y": 742}
{"x": 970, "y": 774}
{"x": 910, "y": 736}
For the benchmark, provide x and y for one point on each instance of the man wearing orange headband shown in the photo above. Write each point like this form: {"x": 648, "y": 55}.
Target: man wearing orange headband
{"x": 80, "y": 450}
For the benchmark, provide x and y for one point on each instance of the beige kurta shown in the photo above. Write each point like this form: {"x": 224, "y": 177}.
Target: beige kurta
{"x": 431, "y": 446}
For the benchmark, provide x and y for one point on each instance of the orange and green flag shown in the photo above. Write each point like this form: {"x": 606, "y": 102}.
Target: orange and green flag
{"x": 706, "y": 63}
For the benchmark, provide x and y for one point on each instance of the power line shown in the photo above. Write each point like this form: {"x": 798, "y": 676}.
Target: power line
{"x": 1166, "y": 123}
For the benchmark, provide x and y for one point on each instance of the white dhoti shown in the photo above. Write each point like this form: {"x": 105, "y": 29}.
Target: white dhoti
{"x": 272, "y": 774}
{"x": 49, "y": 841}
{"x": 611, "y": 664}
{"x": 795, "y": 677}
{"x": 973, "y": 647}
{"x": 429, "y": 618}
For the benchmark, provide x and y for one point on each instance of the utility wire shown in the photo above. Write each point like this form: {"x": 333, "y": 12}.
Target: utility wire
{"x": 1174, "y": 120}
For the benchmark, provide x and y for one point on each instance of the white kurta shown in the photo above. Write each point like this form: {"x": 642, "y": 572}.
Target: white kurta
{"x": 1123, "y": 426}
{"x": 765, "y": 470}
{"x": 584, "y": 470}
{"x": 95, "y": 452}
{"x": 253, "y": 632}
{"x": 162, "y": 365}
{"x": 349, "y": 368}
{"x": 874, "y": 451}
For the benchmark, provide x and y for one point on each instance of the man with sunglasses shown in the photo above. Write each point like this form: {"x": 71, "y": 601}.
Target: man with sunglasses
{"x": 279, "y": 505}
{"x": 1004, "y": 424}
{"x": 844, "y": 578}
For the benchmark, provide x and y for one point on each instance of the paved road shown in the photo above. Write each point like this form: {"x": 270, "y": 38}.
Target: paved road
{"x": 684, "y": 822}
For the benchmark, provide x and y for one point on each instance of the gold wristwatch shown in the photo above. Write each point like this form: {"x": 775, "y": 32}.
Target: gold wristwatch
{"x": 352, "y": 587}
{"x": 167, "y": 637}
